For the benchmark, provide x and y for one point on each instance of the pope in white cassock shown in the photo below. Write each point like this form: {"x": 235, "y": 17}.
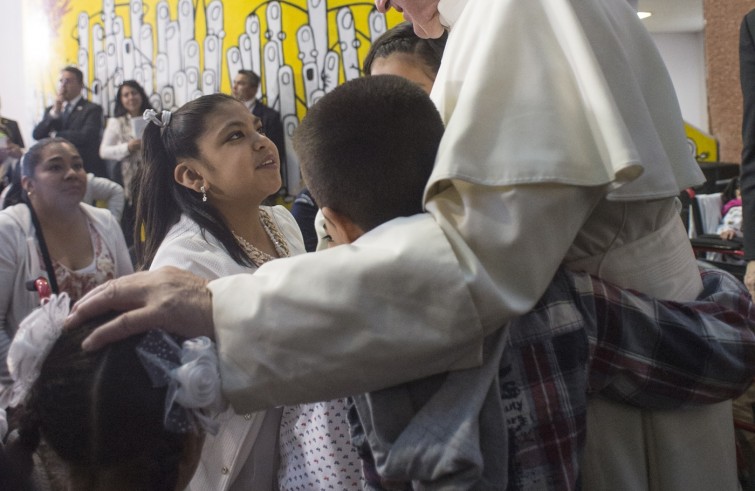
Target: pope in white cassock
{"x": 564, "y": 145}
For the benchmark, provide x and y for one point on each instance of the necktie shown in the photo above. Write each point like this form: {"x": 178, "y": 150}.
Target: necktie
{"x": 67, "y": 111}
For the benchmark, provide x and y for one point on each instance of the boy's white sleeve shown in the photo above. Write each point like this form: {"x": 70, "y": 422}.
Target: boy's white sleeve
{"x": 102, "y": 189}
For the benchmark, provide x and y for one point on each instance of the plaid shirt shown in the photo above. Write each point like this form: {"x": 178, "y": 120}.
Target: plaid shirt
{"x": 624, "y": 346}
{"x": 587, "y": 337}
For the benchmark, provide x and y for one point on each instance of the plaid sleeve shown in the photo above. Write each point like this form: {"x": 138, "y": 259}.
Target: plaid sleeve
{"x": 660, "y": 354}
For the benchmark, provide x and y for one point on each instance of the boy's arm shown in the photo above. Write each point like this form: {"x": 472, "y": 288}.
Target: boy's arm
{"x": 103, "y": 189}
{"x": 660, "y": 354}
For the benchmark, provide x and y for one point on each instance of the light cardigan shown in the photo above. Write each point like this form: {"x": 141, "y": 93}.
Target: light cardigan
{"x": 19, "y": 262}
{"x": 228, "y": 453}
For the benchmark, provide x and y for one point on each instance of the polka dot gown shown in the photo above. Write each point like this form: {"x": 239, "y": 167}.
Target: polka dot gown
{"x": 316, "y": 451}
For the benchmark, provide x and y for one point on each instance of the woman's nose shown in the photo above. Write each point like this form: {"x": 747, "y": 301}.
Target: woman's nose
{"x": 260, "y": 141}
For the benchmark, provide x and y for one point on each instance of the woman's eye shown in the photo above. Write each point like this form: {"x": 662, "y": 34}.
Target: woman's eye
{"x": 77, "y": 166}
{"x": 236, "y": 135}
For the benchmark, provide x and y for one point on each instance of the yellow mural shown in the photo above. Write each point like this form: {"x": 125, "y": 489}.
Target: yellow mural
{"x": 703, "y": 146}
{"x": 181, "y": 49}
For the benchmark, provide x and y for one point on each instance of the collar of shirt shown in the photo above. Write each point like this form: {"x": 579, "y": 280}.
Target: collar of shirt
{"x": 250, "y": 104}
{"x": 450, "y": 11}
{"x": 72, "y": 103}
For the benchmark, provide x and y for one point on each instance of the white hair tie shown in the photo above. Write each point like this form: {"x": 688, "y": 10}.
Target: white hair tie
{"x": 151, "y": 115}
{"x": 31, "y": 344}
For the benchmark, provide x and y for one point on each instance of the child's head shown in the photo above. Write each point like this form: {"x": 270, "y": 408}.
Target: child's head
{"x": 207, "y": 159}
{"x": 366, "y": 151}
{"x": 731, "y": 191}
{"x": 100, "y": 414}
{"x": 399, "y": 51}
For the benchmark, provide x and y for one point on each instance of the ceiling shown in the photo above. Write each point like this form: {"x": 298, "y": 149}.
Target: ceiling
{"x": 673, "y": 15}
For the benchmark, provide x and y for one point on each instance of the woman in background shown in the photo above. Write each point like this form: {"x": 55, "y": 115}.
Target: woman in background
{"x": 121, "y": 143}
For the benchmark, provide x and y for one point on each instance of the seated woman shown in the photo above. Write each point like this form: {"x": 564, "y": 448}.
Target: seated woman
{"x": 104, "y": 415}
{"x": 206, "y": 171}
{"x": 51, "y": 234}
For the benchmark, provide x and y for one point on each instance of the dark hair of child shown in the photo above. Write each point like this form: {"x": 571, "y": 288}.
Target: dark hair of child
{"x": 161, "y": 200}
{"x": 368, "y": 147}
{"x": 730, "y": 191}
{"x": 402, "y": 39}
{"x": 98, "y": 411}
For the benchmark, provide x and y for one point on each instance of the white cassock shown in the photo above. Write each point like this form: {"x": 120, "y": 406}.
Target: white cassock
{"x": 564, "y": 144}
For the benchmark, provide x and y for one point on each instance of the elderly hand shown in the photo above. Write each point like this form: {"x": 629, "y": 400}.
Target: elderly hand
{"x": 168, "y": 298}
{"x": 750, "y": 278}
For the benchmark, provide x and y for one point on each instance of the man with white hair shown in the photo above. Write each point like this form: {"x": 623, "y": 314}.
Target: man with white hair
{"x": 564, "y": 144}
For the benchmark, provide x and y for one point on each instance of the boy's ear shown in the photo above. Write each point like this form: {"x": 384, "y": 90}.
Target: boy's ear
{"x": 186, "y": 176}
{"x": 340, "y": 227}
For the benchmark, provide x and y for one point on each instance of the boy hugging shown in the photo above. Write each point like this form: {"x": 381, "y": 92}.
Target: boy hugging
{"x": 518, "y": 421}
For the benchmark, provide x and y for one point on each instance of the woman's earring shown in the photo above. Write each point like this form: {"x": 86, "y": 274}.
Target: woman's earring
{"x": 204, "y": 193}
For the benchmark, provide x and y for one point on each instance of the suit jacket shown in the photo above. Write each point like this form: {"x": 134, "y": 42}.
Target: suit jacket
{"x": 272, "y": 126}
{"x": 10, "y": 128}
{"x": 83, "y": 128}
{"x": 747, "y": 180}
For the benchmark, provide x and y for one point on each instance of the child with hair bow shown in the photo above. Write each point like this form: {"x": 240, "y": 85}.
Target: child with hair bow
{"x": 130, "y": 417}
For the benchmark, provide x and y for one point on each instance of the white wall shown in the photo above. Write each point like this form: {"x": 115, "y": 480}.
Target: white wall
{"x": 14, "y": 91}
{"x": 684, "y": 55}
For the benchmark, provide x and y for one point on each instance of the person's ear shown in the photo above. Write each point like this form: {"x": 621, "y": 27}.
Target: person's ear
{"x": 27, "y": 184}
{"x": 341, "y": 228}
{"x": 186, "y": 175}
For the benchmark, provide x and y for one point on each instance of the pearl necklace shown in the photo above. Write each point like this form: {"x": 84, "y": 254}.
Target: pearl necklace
{"x": 257, "y": 256}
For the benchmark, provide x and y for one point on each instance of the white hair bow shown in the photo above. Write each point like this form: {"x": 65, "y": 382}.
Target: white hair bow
{"x": 151, "y": 115}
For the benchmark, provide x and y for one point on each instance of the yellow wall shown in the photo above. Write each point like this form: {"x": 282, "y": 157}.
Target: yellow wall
{"x": 180, "y": 49}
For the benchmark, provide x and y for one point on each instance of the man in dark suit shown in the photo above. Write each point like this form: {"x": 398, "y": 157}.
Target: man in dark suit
{"x": 76, "y": 119}
{"x": 245, "y": 86}
{"x": 12, "y": 144}
{"x": 11, "y": 149}
{"x": 747, "y": 179}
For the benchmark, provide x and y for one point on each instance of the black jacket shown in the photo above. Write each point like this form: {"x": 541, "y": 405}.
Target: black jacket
{"x": 83, "y": 128}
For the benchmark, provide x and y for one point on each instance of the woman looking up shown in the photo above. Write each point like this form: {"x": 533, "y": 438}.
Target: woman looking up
{"x": 206, "y": 171}
{"x": 53, "y": 235}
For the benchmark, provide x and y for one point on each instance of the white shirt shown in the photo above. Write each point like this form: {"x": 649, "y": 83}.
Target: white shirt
{"x": 240, "y": 456}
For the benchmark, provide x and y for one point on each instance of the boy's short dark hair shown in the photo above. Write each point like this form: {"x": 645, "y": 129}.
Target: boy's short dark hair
{"x": 368, "y": 147}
